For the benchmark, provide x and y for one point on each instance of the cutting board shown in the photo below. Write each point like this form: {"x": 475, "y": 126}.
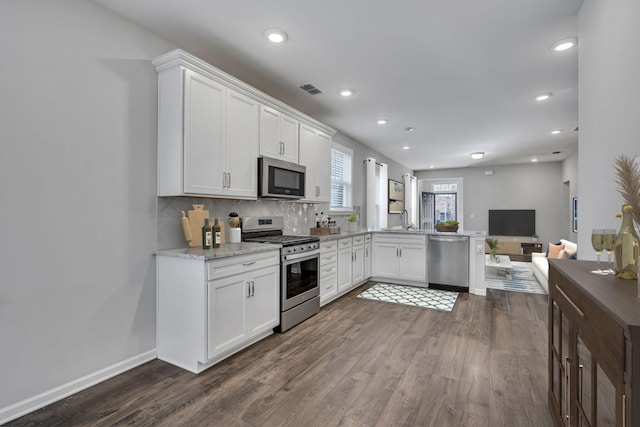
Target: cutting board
{"x": 196, "y": 217}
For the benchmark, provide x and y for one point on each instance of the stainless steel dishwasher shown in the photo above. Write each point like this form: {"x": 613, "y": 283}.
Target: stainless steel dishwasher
{"x": 448, "y": 261}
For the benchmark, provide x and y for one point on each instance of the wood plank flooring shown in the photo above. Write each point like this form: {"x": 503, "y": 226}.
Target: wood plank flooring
{"x": 357, "y": 363}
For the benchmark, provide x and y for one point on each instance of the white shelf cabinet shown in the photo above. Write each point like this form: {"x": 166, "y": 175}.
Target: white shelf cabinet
{"x": 315, "y": 155}
{"x": 206, "y": 133}
{"x": 278, "y": 135}
{"x": 401, "y": 258}
{"x": 209, "y": 310}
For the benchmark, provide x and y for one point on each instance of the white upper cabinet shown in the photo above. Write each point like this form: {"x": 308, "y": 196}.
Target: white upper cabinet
{"x": 315, "y": 154}
{"x": 241, "y": 146}
{"x": 278, "y": 135}
{"x": 203, "y": 137}
{"x": 206, "y": 133}
{"x": 212, "y": 127}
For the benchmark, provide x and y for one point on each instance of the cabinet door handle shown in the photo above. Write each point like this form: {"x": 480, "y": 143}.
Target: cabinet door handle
{"x": 248, "y": 289}
{"x": 400, "y": 249}
{"x": 624, "y": 410}
{"x": 248, "y": 263}
{"x": 253, "y": 288}
{"x": 281, "y": 147}
{"x": 317, "y": 190}
{"x": 567, "y": 406}
{"x": 229, "y": 183}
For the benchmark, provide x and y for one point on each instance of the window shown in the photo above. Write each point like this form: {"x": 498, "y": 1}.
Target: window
{"x": 341, "y": 178}
{"x": 441, "y": 201}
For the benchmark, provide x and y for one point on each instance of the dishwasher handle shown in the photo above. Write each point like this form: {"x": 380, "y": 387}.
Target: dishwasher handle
{"x": 448, "y": 238}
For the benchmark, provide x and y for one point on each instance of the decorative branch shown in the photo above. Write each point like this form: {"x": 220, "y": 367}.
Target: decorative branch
{"x": 628, "y": 180}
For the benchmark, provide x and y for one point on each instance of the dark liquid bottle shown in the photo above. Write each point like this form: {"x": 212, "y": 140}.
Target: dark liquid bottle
{"x": 207, "y": 235}
{"x": 217, "y": 234}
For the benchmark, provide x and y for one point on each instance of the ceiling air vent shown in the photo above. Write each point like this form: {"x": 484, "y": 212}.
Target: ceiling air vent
{"x": 310, "y": 89}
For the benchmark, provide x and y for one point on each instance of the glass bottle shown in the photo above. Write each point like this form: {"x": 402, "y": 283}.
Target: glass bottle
{"x": 217, "y": 233}
{"x": 626, "y": 247}
{"x": 207, "y": 235}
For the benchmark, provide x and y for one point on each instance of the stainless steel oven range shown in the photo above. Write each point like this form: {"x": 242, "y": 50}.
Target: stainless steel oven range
{"x": 299, "y": 262}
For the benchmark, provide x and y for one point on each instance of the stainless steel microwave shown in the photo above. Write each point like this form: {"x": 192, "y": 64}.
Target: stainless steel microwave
{"x": 278, "y": 179}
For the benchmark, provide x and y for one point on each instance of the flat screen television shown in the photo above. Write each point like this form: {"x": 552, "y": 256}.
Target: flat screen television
{"x": 512, "y": 222}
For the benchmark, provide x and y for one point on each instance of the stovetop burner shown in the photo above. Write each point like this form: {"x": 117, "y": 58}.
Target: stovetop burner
{"x": 283, "y": 239}
{"x": 270, "y": 230}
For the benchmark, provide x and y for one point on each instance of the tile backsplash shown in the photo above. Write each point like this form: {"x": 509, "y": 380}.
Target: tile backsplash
{"x": 298, "y": 217}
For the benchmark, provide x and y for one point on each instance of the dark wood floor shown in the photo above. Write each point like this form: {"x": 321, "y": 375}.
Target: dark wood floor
{"x": 356, "y": 363}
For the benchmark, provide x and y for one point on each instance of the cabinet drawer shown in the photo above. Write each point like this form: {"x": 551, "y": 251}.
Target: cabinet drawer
{"x": 326, "y": 258}
{"x": 398, "y": 238}
{"x": 344, "y": 243}
{"x": 358, "y": 240}
{"x": 327, "y": 270}
{"x": 329, "y": 285}
{"x": 328, "y": 246}
{"x": 224, "y": 267}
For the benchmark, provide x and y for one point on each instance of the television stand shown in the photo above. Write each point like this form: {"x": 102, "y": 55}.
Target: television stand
{"x": 518, "y": 248}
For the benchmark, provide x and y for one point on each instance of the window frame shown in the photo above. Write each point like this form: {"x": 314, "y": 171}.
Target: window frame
{"x": 347, "y": 205}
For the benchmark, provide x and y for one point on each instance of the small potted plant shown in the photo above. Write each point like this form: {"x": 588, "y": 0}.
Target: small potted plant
{"x": 447, "y": 226}
{"x": 352, "y": 222}
{"x": 493, "y": 246}
{"x": 535, "y": 237}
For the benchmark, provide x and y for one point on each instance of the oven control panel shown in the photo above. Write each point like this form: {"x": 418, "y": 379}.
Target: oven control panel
{"x": 301, "y": 248}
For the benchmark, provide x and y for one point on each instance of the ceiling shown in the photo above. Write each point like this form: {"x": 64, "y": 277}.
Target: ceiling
{"x": 462, "y": 73}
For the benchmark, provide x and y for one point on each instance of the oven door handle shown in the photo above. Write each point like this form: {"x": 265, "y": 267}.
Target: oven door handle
{"x": 288, "y": 259}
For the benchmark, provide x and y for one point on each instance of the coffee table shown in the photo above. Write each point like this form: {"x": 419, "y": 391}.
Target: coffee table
{"x": 498, "y": 268}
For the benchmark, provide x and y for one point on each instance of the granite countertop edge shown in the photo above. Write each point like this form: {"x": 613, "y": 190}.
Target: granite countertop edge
{"x": 224, "y": 251}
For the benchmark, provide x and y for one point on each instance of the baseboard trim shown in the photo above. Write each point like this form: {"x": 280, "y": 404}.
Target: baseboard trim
{"x": 48, "y": 397}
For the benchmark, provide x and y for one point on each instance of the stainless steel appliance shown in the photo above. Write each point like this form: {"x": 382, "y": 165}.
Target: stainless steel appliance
{"x": 448, "y": 261}
{"x": 278, "y": 179}
{"x": 299, "y": 263}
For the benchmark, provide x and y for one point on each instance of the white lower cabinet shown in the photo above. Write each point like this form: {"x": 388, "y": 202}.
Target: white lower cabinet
{"x": 367, "y": 256}
{"x": 357, "y": 250}
{"x": 241, "y": 307}
{"x": 402, "y": 258}
{"x": 328, "y": 271}
{"x": 345, "y": 265}
{"x": 209, "y": 310}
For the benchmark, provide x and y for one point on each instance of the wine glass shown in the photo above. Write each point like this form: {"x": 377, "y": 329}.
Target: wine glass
{"x": 608, "y": 241}
{"x": 597, "y": 243}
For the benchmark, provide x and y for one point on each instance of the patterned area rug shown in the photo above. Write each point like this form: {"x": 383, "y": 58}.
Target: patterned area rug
{"x": 411, "y": 295}
{"x": 521, "y": 280}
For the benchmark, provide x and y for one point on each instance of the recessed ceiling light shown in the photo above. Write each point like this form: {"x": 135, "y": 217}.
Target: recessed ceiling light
{"x": 556, "y": 131}
{"x": 409, "y": 129}
{"x": 275, "y": 35}
{"x": 477, "y": 155}
{"x": 382, "y": 121}
{"x": 564, "y": 44}
{"x": 406, "y": 147}
{"x": 346, "y": 92}
{"x": 431, "y": 166}
{"x": 534, "y": 160}
{"x": 543, "y": 96}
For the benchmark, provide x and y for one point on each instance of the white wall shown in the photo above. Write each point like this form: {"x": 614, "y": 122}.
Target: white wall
{"x": 78, "y": 208}
{"x": 609, "y": 91}
{"x": 527, "y": 186}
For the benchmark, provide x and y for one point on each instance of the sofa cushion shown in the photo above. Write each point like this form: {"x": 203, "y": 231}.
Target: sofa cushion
{"x": 555, "y": 251}
{"x": 569, "y": 246}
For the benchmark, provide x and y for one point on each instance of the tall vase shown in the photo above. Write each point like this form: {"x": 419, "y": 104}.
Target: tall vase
{"x": 626, "y": 247}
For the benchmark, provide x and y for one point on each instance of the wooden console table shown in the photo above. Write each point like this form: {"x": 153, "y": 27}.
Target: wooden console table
{"x": 594, "y": 347}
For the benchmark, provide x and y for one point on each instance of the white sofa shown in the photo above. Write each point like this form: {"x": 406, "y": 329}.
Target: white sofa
{"x": 540, "y": 263}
